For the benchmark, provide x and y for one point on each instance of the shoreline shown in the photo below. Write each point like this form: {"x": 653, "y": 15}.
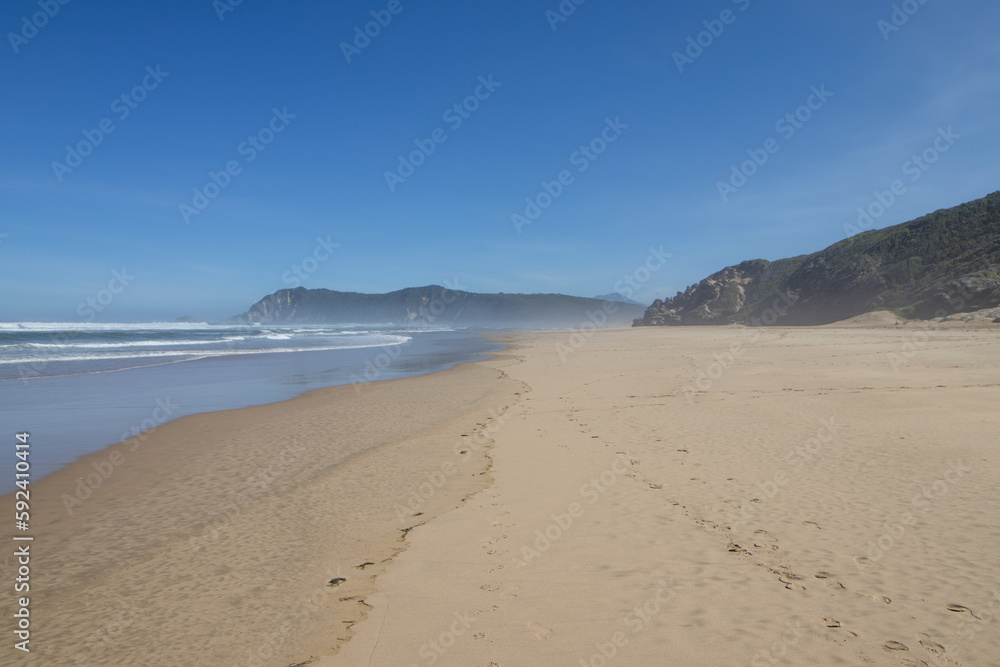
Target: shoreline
{"x": 223, "y": 530}
{"x": 76, "y": 415}
{"x": 638, "y": 496}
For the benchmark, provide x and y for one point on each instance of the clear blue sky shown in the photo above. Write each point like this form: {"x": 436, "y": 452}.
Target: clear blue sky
{"x": 323, "y": 175}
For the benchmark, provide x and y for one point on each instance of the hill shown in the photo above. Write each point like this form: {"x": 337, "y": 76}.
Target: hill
{"x": 437, "y": 306}
{"x": 617, "y": 297}
{"x": 940, "y": 264}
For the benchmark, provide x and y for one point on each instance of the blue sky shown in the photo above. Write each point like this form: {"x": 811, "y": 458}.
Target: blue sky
{"x": 555, "y": 85}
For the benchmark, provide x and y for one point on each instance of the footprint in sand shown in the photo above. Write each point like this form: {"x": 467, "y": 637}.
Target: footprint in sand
{"x": 930, "y": 644}
{"x": 737, "y": 549}
{"x": 895, "y": 646}
{"x": 791, "y": 584}
{"x": 913, "y": 662}
{"x": 830, "y": 579}
{"x": 511, "y": 593}
{"x": 811, "y": 523}
{"x": 764, "y": 540}
{"x": 540, "y": 631}
{"x": 961, "y": 609}
{"x": 831, "y": 622}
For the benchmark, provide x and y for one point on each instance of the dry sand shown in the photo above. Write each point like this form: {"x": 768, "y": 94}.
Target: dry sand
{"x": 809, "y": 505}
{"x": 667, "y": 496}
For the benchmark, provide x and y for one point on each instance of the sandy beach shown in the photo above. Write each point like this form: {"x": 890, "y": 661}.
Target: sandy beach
{"x": 213, "y": 541}
{"x": 655, "y": 496}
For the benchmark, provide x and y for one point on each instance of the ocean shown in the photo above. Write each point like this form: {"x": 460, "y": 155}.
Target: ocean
{"x": 77, "y": 388}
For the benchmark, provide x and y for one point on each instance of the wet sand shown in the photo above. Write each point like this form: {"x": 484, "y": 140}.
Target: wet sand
{"x": 213, "y": 540}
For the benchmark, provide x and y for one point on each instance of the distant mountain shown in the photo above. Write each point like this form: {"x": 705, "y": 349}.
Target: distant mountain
{"x": 188, "y": 319}
{"x": 943, "y": 263}
{"x": 437, "y": 306}
{"x": 617, "y": 298}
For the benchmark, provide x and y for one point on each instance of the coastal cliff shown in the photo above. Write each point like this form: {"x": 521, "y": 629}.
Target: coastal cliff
{"x": 940, "y": 264}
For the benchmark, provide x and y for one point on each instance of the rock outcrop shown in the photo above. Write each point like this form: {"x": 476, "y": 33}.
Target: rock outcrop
{"x": 944, "y": 263}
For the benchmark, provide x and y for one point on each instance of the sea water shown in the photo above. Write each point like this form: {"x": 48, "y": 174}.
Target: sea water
{"x": 78, "y": 388}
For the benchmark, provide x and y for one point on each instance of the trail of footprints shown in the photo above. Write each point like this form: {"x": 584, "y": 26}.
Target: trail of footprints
{"x": 767, "y": 553}
{"x": 762, "y": 549}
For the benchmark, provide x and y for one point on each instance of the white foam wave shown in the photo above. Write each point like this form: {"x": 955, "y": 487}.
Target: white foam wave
{"x": 377, "y": 341}
{"x": 110, "y": 326}
{"x": 133, "y": 343}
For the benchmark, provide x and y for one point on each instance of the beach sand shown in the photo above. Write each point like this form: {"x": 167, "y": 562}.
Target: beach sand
{"x": 214, "y": 541}
{"x": 657, "y": 496}
{"x": 809, "y": 505}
